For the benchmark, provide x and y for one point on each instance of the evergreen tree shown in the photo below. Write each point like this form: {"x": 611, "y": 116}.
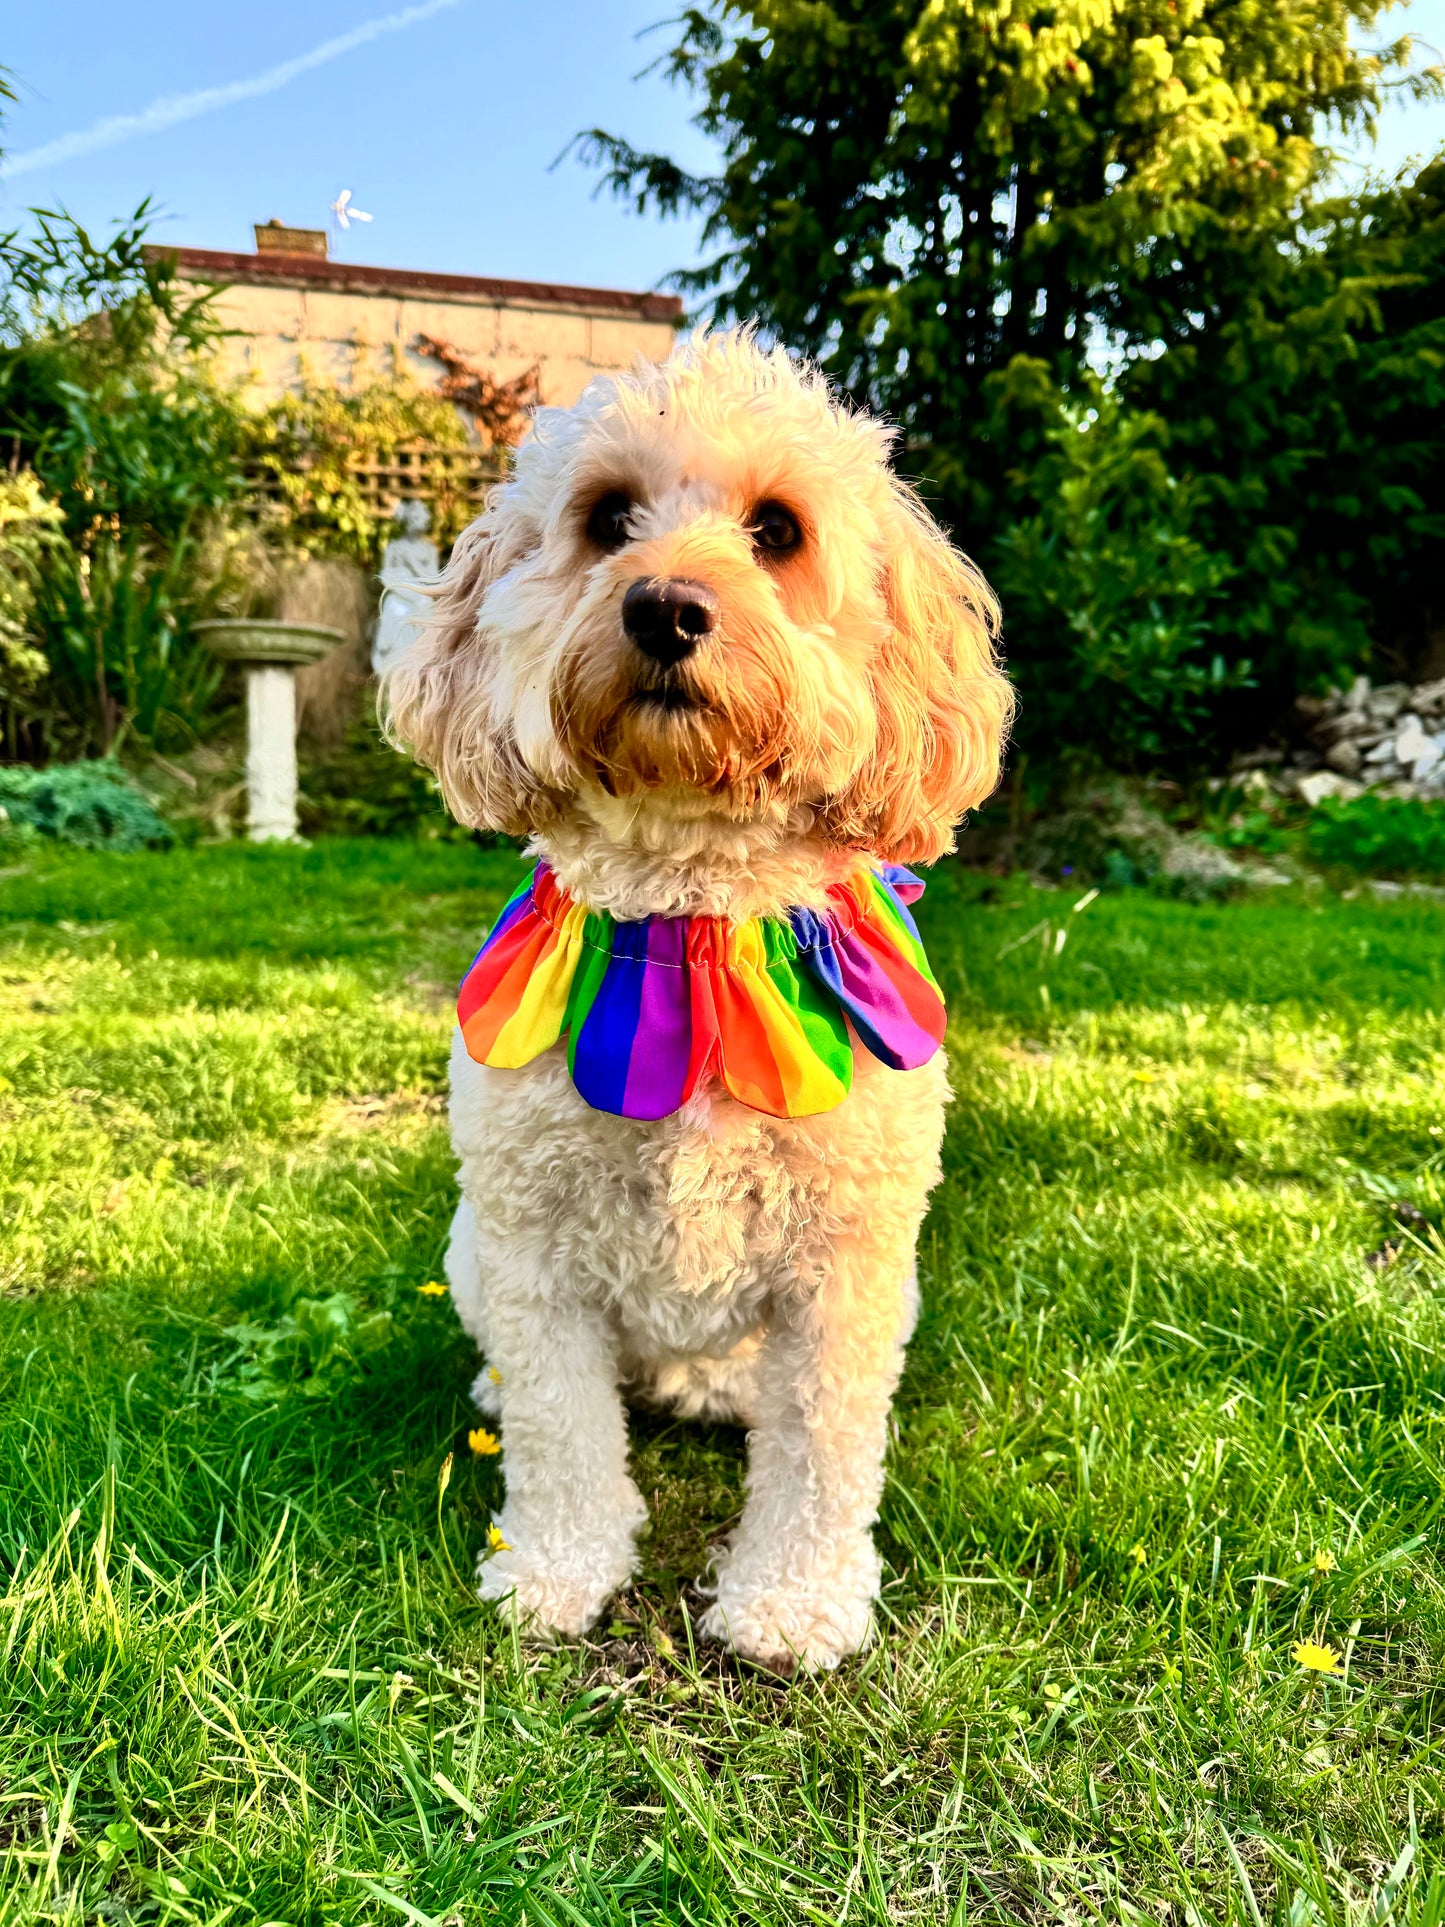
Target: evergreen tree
{"x": 919, "y": 190}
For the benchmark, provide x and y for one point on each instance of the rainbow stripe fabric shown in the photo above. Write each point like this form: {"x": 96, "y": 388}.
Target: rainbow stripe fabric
{"x": 651, "y": 1010}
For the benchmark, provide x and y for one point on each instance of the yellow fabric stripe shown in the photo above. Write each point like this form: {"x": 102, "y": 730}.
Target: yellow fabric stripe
{"x": 536, "y": 1023}
{"x": 807, "y": 1083}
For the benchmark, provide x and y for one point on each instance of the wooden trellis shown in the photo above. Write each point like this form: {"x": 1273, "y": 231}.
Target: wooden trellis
{"x": 414, "y": 471}
{"x": 423, "y": 471}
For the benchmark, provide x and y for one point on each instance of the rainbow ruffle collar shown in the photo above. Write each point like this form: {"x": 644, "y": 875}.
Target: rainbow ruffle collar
{"x": 653, "y": 1009}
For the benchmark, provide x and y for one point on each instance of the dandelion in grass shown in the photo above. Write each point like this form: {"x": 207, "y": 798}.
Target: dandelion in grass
{"x": 1317, "y": 1659}
{"x": 484, "y": 1444}
{"x": 1139, "y": 1556}
{"x": 495, "y": 1541}
{"x": 432, "y": 1290}
{"x": 1325, "y": 1562}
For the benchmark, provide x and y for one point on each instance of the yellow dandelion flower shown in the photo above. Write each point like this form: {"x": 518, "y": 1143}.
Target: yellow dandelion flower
{"x": 1325, "y": 1562}
{"x": 1316, "y": 1659}
{"x": 432, "y": 1290}
{"x": 1139, "y": 1556}
{"x": 484, "y": 1443}
{"x": 495, "y": 1541}
{"x": 494, "y": 1375}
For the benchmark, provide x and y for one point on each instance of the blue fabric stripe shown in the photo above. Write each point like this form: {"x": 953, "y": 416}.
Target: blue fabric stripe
{"x": 890, "y": 876}
{"x": 609, "y": 1032}
{"x": 821, "y": 954}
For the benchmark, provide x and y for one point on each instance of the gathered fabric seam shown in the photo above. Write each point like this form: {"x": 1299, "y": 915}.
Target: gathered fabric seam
{"x": 831, "y": 942}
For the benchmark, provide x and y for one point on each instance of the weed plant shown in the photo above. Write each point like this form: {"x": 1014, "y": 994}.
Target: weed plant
{"x": 1171, "y": 1428}
{"x": 1379, "y": 836}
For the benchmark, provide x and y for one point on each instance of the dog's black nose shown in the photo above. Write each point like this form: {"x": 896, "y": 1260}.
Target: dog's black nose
{"x": 668, "y": 616}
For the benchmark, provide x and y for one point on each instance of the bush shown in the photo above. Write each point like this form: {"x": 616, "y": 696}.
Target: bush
{"x": 122, "y": 659}
{"x": 367, "y": 788}
{"x": 1379, "y": 836}
{"x": 1108, "y": 592}
{"x": 105, "y": 395}
{"x": 307, "y": 444}
{"x": 92, "y": 805}
{"x": 29, "y": 536}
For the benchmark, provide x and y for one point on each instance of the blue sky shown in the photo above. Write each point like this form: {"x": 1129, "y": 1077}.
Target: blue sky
{"x": 445, "y": 127}
{"x": 445, "y": 130}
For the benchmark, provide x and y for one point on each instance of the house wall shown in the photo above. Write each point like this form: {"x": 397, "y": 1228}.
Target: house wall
{"x": 348, "y": 334}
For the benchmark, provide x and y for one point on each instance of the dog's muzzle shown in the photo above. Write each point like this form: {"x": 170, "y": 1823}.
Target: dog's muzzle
{"x": 668, "y": 617}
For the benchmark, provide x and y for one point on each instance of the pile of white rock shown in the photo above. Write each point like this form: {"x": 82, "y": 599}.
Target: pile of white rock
{"x": 1390, "y": 738}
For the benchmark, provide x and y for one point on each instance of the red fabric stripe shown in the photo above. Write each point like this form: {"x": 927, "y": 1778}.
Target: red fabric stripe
{"x": 495, "y": 983}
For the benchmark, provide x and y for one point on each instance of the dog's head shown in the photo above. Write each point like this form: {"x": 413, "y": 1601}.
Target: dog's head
{"x": 704, "y": 580}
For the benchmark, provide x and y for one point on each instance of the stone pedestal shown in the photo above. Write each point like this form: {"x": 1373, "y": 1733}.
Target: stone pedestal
{"x": 270, "y": 653}
{"x": 270, "y": 752}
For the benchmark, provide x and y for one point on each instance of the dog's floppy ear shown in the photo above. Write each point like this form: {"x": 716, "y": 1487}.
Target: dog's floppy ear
{"x": 439, "y": 699}
{"x": 943, "y": 704}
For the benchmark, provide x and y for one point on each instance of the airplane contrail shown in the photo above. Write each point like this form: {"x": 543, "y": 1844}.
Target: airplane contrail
{"x": 171, "y": 108}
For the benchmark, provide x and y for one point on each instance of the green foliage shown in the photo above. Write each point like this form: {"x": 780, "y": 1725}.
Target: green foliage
{"x": 102, "y": 381}
{"x": 105, "y": 395}
{"x": 1390, "y": 836}
{"x": 918, "y": 193}
{"x": 1182, "y": 1333}
{"x": 59, "y": 278}
{"x": 1311, "y": 416}
{"x": 29, "y": 535}
{"x": 121, "y": 661}
{"x": 309, "y": 440}
{"x": 94, "y": 806}
{"x": 1112, "y": 589}
{"x": 1371, "y": 835}
{"x": 364, "y": 788}
{"x": 313, "y": 1350}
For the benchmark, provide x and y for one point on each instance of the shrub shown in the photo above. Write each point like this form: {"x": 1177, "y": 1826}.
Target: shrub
{"x": 92, "y": 805}
{"x": 104, "y": 393}
{"x": 1379, "y": 836}
{"x": 1111, "y": 589}
{"x": 117, "y": 622}
{"x": 365, "y": 788}
{"x": 307, "y": 444}
{"x": 29, "y": 525}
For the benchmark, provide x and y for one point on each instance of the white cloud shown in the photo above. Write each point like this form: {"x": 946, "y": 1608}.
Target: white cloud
{"x": 171, "y": 108}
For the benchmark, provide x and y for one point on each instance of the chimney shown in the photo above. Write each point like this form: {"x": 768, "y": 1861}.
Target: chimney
{"x": 276, "y": 238}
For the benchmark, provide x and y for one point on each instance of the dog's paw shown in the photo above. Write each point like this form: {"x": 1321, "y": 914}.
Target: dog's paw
{"x": 544, "y": 1599}
{"x": 788, "y": 1629}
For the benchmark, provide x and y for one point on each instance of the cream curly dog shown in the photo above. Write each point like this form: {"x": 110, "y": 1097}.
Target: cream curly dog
{"x": 802, "y": 683}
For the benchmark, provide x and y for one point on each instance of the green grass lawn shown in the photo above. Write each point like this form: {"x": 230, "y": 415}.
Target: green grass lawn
{"x": 1175, "y": 1405}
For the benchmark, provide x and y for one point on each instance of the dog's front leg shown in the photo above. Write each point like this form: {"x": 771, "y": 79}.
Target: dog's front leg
{"x": 797, "y": 1584}
{"x": 572, "y": 1510}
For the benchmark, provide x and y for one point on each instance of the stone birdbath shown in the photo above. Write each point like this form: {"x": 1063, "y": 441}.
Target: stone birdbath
{"x": 270, "y": 653}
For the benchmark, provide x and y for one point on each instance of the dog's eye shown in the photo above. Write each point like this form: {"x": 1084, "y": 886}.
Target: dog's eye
{"x": 607, "y": 524}
{"x": 774, "y": 528}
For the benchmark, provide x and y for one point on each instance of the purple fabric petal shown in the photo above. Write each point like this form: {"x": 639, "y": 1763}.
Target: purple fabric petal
{"x": 633, "y": 1048}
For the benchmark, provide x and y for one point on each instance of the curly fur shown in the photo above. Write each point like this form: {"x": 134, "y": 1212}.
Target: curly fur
{"x": 848, "y": 705}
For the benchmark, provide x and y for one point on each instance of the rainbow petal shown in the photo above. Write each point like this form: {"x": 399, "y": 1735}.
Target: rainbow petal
{"x": 873, "y": 963}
